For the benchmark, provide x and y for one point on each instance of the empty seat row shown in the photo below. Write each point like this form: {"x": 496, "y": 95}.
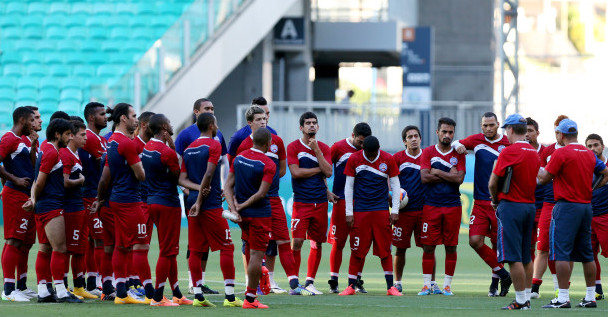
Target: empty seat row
{"x": 99, "y": 8}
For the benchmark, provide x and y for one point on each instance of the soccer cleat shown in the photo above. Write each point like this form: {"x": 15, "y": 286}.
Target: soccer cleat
{"x": 255, "y": 305}
{"x": 207, "y": 290}
{"x": 47, "y": 299}
{"x": 313, "y": 289}
{"x": 599, "y": 296}
{"x": 205, "y": 303}
{"x": 182, "y": 301}
{"x": 333, "y": 287}
{"x": 163, "y": 303}
{"x": 300, "y": 290}
{"x": 393, "y": 291}
{"x": 557, "y": 304}
{"x": 493, "y": 292}
{"x": 140, "y": 290}
{"x": 135, "y": 294}
{"x": 505, "y": 284}
{"x": 276, "y": 289}
{"x": 425, "y": 291}
{"x": 399, "y": 287}
{"x": 29, "y": 293}
{"x": 265, "y": 281}
{"x": 147, "y": 301}
{"x": 97, "y": 292}
{"x": 447, "y": 291}
{"x": 80, "y": 291}
{"x": 534, "y": 295}
{"x": 236, "y": 303}
{"x": 108, "y": 297}
{"x": 435, "y": 289}
{"x": 587, "y": 303}
{"x": 128, "y": 300}
{"x": 517, "y": 306}
{"x": 72, "y": 295}
{"x": 15, "y": 296}
{"x": 348, "y": 291}
{"x": 191, "y": 290}
{"x": 359, "y": 287}
{"x": 69, "y": 299}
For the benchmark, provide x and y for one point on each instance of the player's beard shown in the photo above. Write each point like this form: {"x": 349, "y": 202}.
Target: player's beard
{"x": 446, "y": 143}
{"x": 311, "y": 134}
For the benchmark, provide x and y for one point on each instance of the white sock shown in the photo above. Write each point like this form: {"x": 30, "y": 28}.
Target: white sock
{"x": 427, "y": 279}
{"x": 197, "y": 290}
{"x": 555, "y": 283}
{"x": 271, "y": 278}
{"x": 563, "y": 295}
{"x": 98, "y": 280}
{"x": 43, "y": 291}
{"x": 190, "y": 279}
{"x": 397, "y": 282}
{"x": 520, "y": 297}
{"x": 447, "y": 281}
{"x": 590, "y": 296}
{"x": 229, "y": 290}
{"x": 61, "y": 291}
{"x": 203, "y": 279}
{"x": 528, "y": 292}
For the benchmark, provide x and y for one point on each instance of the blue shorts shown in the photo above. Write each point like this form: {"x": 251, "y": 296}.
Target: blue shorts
{"x": 570, "y": 232}
{"x": 515, "y": 228}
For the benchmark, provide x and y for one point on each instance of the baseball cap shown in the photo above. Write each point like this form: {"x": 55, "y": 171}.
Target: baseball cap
{"x": 515, "y": 118}
{"x": 567, "y": 126}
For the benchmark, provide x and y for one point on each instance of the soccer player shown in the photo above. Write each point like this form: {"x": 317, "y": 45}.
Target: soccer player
{"x": 443, "y": 170}
{"x": 571, "y": 168}
{"x": 246, "y": 191}
{"x": 340, "y": 152}
{"x": 368, "y": 175}
{"x": 74, "y": 210}
{"x": 47, "y": 200}
{"x": 309, "y": 163}
{"x": 599, "y": 223}
{"x": 183, "y": 140}
{"x": 532, "y": 137}
{"x": 514, "y": 203}
{"x": 486, "y": 146}
{"x": 18, "y": 171}
{"x": 200, "y": 173}
{"x": 162, "y": 169}
{"x": 256, "y": 118}
{"x": 98, "y": 262}
{"x": 541, "y": 261}
{"x": 125, "y": 171}
{"x": 410, "y": 217}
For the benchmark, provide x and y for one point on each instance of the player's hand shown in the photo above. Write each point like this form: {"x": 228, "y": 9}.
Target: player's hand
{"x": 23, "y": 182}
{"x": 80, "y": 179}
{"x": 205, "y": 192}
{"x": 461, "y": 149}
{"x": 186, "y": 191}
{"x": 350, "y": 220}
{"x": 313, "y": 145}
{"x": 34, "y": 136}
{"x": 236, "y": 214}
{"x": 331, "y": 197}
{"x": 29, "y": 205}
{"x": 95, "y": 207}
{"x": 237, "y": 206}
{"x": 433, "y": 171}
{"x": 394, "y": 219}
{"x": 494, "y": 205}
{"x": 194, "y": 211}
{"x": 454, "y": 170}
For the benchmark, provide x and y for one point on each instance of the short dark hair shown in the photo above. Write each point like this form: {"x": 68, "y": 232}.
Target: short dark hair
{"x": 407, "y": 129}
{"x": 261, "y": 136}
{"x": 33, "y": 108}
{"x": 371, "y": 144}
{"x": 532, "y": 122}
{"x": 89, "y": 109}
{"x": 199, "y": 102}
{"x": 58, "y": 125}
{"x": 156, "y": 123}
{"x": 489, "y": 114}
{"x": 446, "y": 120}
{"x": 76, "y": 118}
{"x": 252, "y": 111}
{"x": 204, "y": 120}
{"x": 307, "y": 115}
{"x": 145, "y": 116}
{"x": 259, "y": 101}
{"x": 594, "y": 136}
{"x": 21, "y": 112}
{"x": 60, "y": 115}
{"x": 518, "y": 129}
{"x": 362, "y": 129}
{"x": 121, "y": 109}
{"x": 77, "y": 125}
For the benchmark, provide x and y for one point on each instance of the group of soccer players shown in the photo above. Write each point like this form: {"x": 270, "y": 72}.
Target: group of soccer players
{"x": 94, "y": 200}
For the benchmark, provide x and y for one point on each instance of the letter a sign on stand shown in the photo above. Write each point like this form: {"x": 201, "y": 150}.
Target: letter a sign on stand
{"x": 289, "y": 32}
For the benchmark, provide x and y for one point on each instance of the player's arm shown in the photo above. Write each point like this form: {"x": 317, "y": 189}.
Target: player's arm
{"x": 203, "y": 192}
{"x": 36, "y": 190}
{"x": 324, "y": 162}
{"x": 544, "y": 177}
{"x": 493, "y": 188}
{"x": 282, "y": 168}
{"x": 453, "y": 176}
{"x": 604, "y": 172}
{"x": 138, "y": 170}
{"x": 184, "y": 181}
{"x": 21, "y": 182}
{"x": 69, "y": 183}
{"x": 395, "y": 188}
{"x": 299, "y": 172}
{"x": 225, "y": 168}
{"x": 102, "y": 189}
{"x": 427, "y": 178}
{"x": 349, "y": 187}
{"x": 261, "y": 193}
{"x": 229, "y": 194}
{"x": 331, "y": 197}
{"x": 462, "y": 146}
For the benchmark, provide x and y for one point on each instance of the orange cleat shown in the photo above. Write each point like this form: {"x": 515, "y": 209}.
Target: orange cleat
{"x": 163, "y": 303}
{"x": 265, "y": 281}
{"x": 255, "y": 305}
{"x": 393, "y": 291}
{"x": 182, "y": 301}
{"x": 348, "y": 291}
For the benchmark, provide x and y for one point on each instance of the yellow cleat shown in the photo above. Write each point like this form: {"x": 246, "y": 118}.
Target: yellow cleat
{"x": 237, "y": 303}
{"x": 128, "y": 300}
{"x": 205, "y": 303}
{"x": 147, "y": 301}
{"x": 81, "y": 292}
{"x": 77, "y": 296}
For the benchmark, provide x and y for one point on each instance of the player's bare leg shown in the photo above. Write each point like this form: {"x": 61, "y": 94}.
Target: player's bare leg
{"x": 254, "y": 272}
{"x": 55, "y": 232}
{"x": 477, "y": 242}
{"x": 399, "y": 264}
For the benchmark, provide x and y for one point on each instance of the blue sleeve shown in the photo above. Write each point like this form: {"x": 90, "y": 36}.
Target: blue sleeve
{"x": 107, "y": 136}
{"x": 179, "y": 143}
{"x": 272, "y": 130}
{"x": 599, "y": 165}
{"x": 222, "y": 142}
{"x": 235, "y": 142}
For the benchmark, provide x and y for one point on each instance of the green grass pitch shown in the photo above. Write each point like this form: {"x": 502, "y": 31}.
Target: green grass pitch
{"x": 470, "y": 286}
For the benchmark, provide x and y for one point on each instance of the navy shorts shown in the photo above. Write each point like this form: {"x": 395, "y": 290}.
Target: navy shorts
{"x": 515, "y": 228}
{"x": 570, "y": 232}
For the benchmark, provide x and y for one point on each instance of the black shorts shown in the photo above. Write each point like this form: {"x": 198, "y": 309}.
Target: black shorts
{"x": 570, "y": 232}
{"x": 515, "y": 226}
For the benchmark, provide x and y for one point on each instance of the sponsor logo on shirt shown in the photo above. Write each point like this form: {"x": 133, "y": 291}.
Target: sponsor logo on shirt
{"x": 500, "y": 148}
{"x": 274, "y": 148}
{"x": 454, "y": 161}
{"x": 383, "y": 167}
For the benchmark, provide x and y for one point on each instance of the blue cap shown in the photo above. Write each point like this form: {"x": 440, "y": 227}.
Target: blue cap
{"x": 515, "y": 118}
{"x": 567, "y": 126}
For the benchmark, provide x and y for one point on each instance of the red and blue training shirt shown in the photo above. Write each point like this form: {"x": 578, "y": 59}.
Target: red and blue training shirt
{"x": 310, "y": 189}
{"x": 250, "y": 169}
{"x": 72, "y": 166}
{"x": 340, "y": 152}
{"x": 90, "y": 156}
{"x": 17, "y": 159}
{"x": 194, "y": 163}
{"x": 52, "y": 195}
{"x": 409, "y": 179}
{"x": 159, "y": 160}
{"x": 276, "y": 153}
{"x": 442, "y": 194}
{"x": 122, "y": 153}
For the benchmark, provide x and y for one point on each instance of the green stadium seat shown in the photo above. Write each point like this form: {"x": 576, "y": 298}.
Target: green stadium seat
{"x": 28, "y": 94}
{"x": 97, "y": 59}
{"x": 169, "y": 8}
{"x": 78, "y": 33}
{"x": 53, "y": 59}
{"x": 27, "y": 83}
{"x": 48, "y": 95}
{"x": 120, "y": 34}
{"x": 161, "y": 22}
{"x": 52, "y": 20}
{"x": 6, "y": 108}
{"x": 13, "y": 70}
{"x": 108, "y": 71}
{"x": 137, "y": 46}
{"x": 46, "y": 46}
{"x": 10, "y": 33}
{"x": 33, "y": 33}
{"x": 90, "y": 47}
{"x": 84, "y": 71}
{"x": 49, "y": 83}
{"x": 59, "y": 8}
{"x": 96, "y": 21}
{"x": 115, "y": 21}
{"x": 142, "y": 33}
{"x": 9, "y": 83}
{"x": 103, "y": 9}
{"x": 71, "y": 107}
{"x": 32, "y": 20}
{"x": 46, "y": 109}
{"x": 98, "y": 33}
{"x": 16, "y": 8}
{"x": 82, "y": 8}
{"x": 58, "y": 70}
{"x": 71, "y": 94}
{"x": 7, "y": 21}
{"x": 138, "y": 21}
{"x": 72, "y": 83}
{"x": 68, "y": 45}
{"x": 25, "y": 102}
{"x": 55, "y": 33}
{"x": 127, "y": 9}
{"x": 111, "y": 46}
{"x": 36, "y": 70}
{"x": 38, "y": 8}
{"x": 32, "y": 58}
{"x": 75, "y": 58}
{"x": 145, "y": 8}
{"x": 7, "y": 94}
{"x": 72, "y": 21}
{"x": 10, "y": 58}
